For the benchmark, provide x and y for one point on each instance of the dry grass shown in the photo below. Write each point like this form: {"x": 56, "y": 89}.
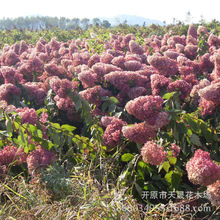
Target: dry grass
{"x": 75, "y": 195}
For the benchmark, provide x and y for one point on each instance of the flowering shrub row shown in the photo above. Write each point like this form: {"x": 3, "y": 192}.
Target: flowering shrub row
{"x": 159, "y": 100}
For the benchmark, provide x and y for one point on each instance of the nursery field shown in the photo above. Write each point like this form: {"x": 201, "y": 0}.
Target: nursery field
{"x": 110, "y": 125}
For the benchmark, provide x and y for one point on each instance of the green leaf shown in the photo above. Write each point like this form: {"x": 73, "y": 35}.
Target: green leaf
{"x": 105, "y": 98}
{"x": 176, "y": 132}
{"x": 114, "y": 100}
{"x": 9, "y": 127}
{"x": 56, "y": 139}
{"x": 56, "y": 125}
{"x": 168, "y": 95}
{"x": 78, "y": 104}
{"x": 38, "y": 133}
{"x": 168, "y": 177}
{"x": 181, "y": 127}
{"x": 206, "y": 132}
{"x": 172, "y": 160}
{"x": 32, "y": 128}
{"x": 68, "y": 128}
{"x": 104, "y": 106}
{"x": 166, "y": 166}
{"x": 112, "y": 107}
{"x": 127, "y": 157}
{"x": 195, "y": 140}
{"x": 192, "y": 122}
{"x": 175, "y": 180}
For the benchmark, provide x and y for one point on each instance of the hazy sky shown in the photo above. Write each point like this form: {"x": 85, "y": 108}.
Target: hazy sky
{"x": 164, "y": 10}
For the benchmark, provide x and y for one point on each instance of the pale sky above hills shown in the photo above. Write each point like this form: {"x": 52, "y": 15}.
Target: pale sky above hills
{"x": 163, "y": 10}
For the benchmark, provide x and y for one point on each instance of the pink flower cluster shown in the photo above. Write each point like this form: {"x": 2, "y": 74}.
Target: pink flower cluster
{"x": 10, "y": 154}
{"x": 145, "y": 108}
{"x": 139, "y": 132}
{"x": 164, "y": 65}
{"x": 180, "y": 85}
{"x": 153, "y": 153}
{"x": 10, "y": 75}
{"x": 7, "y": 91}
{"x": 28, "y": 115}
{"x": 211, "y": 93}
{"x": 9, "y": 58}
{"x": 35, "y": 92}
{"x": 213, "y": 192}
{"x": 121, "y": 79}
{"x": 206, "y": 107}
{"x": 112, "y": 134}
{"x": 94, "y": 95}
{"x": 175, "y": 149}
{"x": 38, "y": 159}
{"x": 202, "y": 170}
{"x": 61, "y": 87}
{"x": 159, "y": 83}
{"x": 124, "y": 64}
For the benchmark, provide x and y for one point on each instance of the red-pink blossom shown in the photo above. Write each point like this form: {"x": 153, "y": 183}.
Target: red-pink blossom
{"x": 206, "y": 107}
{"x": 211, "y": 93}
{"x": 10, "y": 75}
{"x": 112, "y": 134}
{"x": 191, "y": 51}
{"x": 94, "y": 95}
{"x": 9, "y": 58}
{"x": 55, "y": 45}
{"x": 38, "y": 159}
{"x": 35, "y": 92}
{"x": 201, "y": 30}
{"x": 192, "y": 35}
{"x": 180, "y": 85}
{"x": 7, "y": 91}
{"x": 139, "y": 132}
{"x": 175, "y": 150}
{"x": 164, "y": 65}
{"x": 23, "y": 47}
{"x": 106, "y": 58}
{"x": 88, "y": 78}
{"x": 162, "y": 120}
{"x": 145, "y": 108}
{"x": 132, "y": 65}
{"x": 201, "y": 169}
{"x": 135, "y": 92}
{"x": 159, "y": 83}
{"x": 135, "y": 48}
{"x": 95, "y": 58}
{"x": 62, "y": 86}
{"x": 28, "y": 115}
{"x": 43, "y": 117}
{"x": 54, "y": 70}
{"x": 40, "y": 47}
{"x": 119, "y": 61}
{"x": 213, "y": 40}
{"x": 153, "y": 153}
{"x": 122, "y": 78}
{"x": 10, "y": 154}
{"x": 213, "y": 192}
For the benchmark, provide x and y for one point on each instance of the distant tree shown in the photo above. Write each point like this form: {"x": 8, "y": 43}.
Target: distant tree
{"x": 189, "y": 17}
{"x": 96, "y": 22}
{"x": 85, "y": 23}
{"x": 202, "y": 20}
{"x": 62, "y": 23}
{"x": 9, "y": 24}
{"x": 73, "y": 24}
{"x": 106, "y": 24}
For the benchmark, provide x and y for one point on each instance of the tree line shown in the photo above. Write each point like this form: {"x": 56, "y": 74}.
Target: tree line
{"x": 46, "y": 22}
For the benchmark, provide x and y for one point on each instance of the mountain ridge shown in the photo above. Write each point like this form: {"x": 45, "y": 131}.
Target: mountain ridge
{"x": 131, "y": 20}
